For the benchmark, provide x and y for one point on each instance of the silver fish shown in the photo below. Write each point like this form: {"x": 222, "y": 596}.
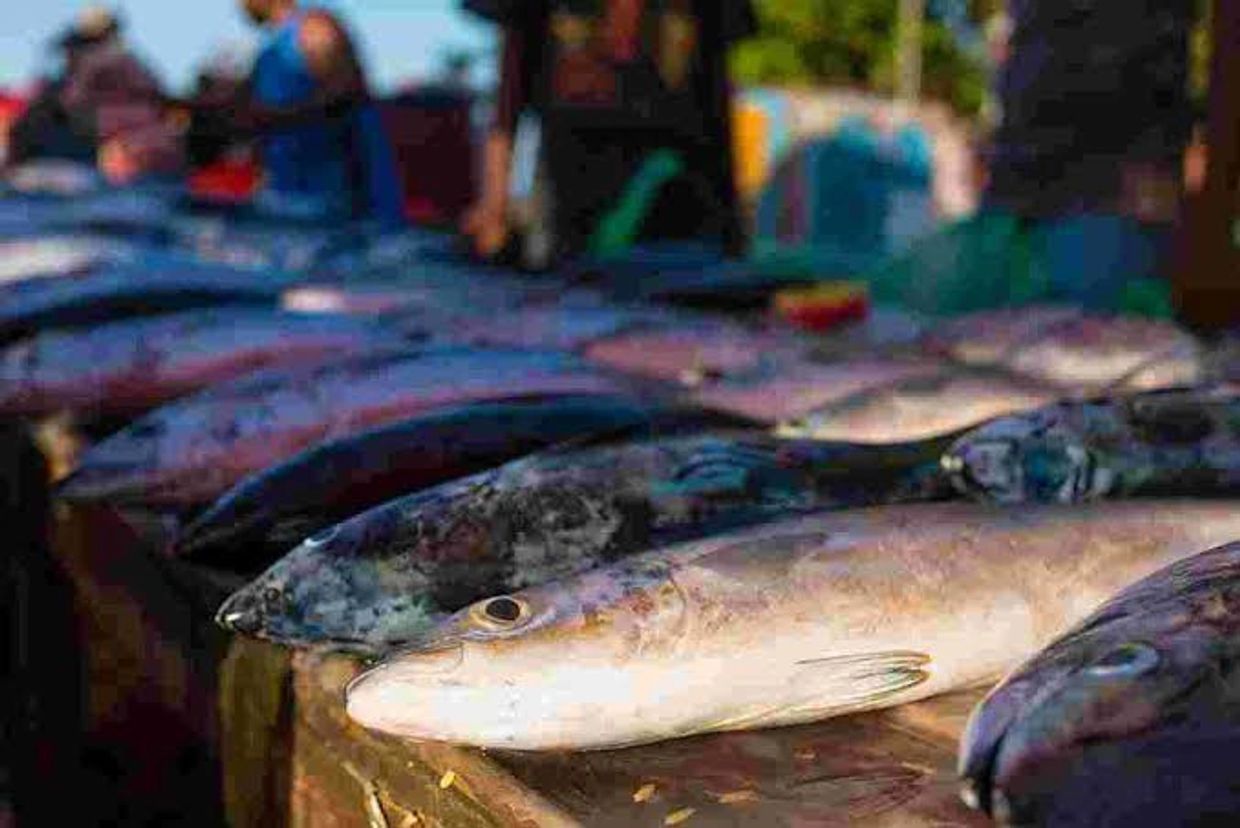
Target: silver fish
{"x": 991, "y": 337}
{"x": 921, "y": 407}
{"x": 790, "y": 388}
{"x": 1065, "y": 347}
{"x": 691, "y": 350}
{"x": 1131, "y": 718}
{"x": 1113, "y": 352}
{"x": 802, "y": 619}
{"x": 146, "y": 285}
{"x": 1176, "y": 443}
{"x": 136, "y": 364}
{"x": 45, "y": 256}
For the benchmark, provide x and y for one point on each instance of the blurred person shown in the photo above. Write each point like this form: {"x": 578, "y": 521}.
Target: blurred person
{"x": 105, "y": 106}
{"x": 324, "y": 152}
{"x": 224, "y": 75}
{"x": 616, "y": 84}
{"x": 111, "y": 102}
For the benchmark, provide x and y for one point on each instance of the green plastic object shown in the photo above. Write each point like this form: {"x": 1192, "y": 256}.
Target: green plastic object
{"x": 618, "y": 229}
{"x": 1148, "y": 297}
{"x": 985, "y": 261}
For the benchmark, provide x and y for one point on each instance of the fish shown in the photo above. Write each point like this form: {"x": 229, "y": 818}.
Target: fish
{"x": 561, "y": 326}
{"x": 54, "y": 177}
{"x": 367, "y": 300}
{"x": 1183, "y": 442}
{"x": 1130, "y": 718}
{"x": 689, "y": 350}
{"x": 789, "y": 389}
{"x": 990, "y": 337}
{"x": 131, "y": 365}
{"x": 797, "y": 620}
{"x": 1128, "y": 353}
{"x": 383, "y": 577}
{"x": 1069, "y": 348}
{"x": 190, "y": 452}
{"x": 921, "y": 407}
{"x": 332, "y": 481}
{"x": 44, "y": 256}
{"x": 148, "y": 285}
{"x": 134, "y": 212}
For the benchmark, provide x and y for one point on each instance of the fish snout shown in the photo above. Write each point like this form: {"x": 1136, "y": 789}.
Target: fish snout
{"x": 386, "y": 697}
{"x": 990, "y": 469}
{"x": 240, "y": 613}
{"x": 250, "y": 610}
{"x": 980, "y": 744}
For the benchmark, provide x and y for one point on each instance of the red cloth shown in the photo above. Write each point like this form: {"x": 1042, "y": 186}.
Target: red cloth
{"x": 226, "y": 181}
{"x": 622, "y": 28}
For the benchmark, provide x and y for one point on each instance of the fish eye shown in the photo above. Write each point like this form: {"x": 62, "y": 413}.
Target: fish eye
{"x": 502, "y": 613}
{"x": 1126, "y": 660}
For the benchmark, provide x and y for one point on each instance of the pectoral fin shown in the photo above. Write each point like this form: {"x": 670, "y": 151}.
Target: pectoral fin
{"x": 837, "y": 685}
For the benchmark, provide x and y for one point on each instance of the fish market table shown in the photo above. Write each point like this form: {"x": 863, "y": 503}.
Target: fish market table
{"x": 188, "y": 725}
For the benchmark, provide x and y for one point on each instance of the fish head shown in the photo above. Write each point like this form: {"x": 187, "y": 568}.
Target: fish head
{"x": 350, "y": 585}
{"x": 1128, "y": 674}
{"x": 534, "y": 669}
{"x": 1027, "y": 458}
{"x": 381, "y": 578}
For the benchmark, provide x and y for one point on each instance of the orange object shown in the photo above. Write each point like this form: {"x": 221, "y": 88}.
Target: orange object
{"x": 751, "y": 130}
{"x": 823, "y": 306}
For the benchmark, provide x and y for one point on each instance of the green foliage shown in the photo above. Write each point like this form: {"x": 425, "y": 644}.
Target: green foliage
{"x": 852, "y": 43}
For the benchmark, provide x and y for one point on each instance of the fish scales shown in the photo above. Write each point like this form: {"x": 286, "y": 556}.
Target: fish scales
{"x": 191, "y": 451}
{"x": 553, "y": 515}
{"x": 922, "y": 407}
{"x": 279, "y": 507}
{"x": 804, "y": 618}
{"x": 130, "y": 365}
{"x": 1171, "y": 443}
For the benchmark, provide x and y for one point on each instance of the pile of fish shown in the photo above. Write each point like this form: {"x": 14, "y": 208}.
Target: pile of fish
{"x": 555, "y": 519}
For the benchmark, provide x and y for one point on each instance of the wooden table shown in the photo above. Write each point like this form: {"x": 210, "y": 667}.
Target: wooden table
{"x": 202, "y": 728}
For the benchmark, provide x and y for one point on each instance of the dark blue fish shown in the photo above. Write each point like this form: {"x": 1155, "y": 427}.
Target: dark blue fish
{"x": 279, "y": 507}
{"x": 152, "y": 283}
{"x": 1131, "y": 718}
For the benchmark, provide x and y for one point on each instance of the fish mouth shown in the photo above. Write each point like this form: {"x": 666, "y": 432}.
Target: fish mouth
{"x": 240, "y": 613}
{"x": 983, "y": 741}
{"x": 1002, "y": 753}
{"x": 990, "y": 469}
{"x": 379, "y": 697}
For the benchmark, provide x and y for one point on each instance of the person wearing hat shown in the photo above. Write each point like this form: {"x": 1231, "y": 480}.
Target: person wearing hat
{"x": 324, "y": 151}
{"x": 111, "y": 101}
{"x": 633, "y": 102}
{"x": 66, "y": 119}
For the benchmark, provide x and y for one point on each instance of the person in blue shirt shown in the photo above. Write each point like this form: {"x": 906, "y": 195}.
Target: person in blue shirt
{"x": 324, "y": 151}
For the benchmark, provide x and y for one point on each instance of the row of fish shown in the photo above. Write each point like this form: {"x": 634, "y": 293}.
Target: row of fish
{"x": 561, "y": 523}
{"x": 132, "y": 365}
{"x": 379, "y": 578}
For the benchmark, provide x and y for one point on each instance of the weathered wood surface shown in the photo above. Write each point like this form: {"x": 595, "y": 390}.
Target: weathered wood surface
{"x": 158, "y": 677}
{"x": 895, "y": 768}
